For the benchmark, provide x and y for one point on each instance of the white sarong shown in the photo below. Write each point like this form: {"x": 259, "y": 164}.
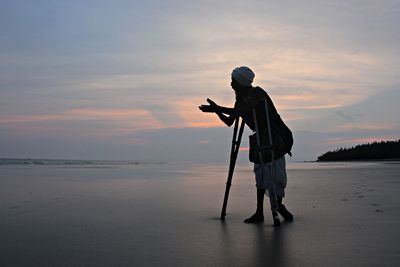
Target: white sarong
{"x": 275, "y": 181}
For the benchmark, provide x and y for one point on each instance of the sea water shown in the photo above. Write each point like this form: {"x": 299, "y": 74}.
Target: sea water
{"x": 91, "y": 213}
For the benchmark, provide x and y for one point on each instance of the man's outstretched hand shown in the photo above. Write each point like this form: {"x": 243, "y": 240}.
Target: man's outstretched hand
{"x": 212, "y": 107}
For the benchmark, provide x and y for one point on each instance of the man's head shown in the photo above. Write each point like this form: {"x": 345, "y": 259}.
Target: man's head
{"x": 242, "y": 77}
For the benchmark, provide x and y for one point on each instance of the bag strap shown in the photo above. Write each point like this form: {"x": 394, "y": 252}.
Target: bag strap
{"x": 269, "y": 134}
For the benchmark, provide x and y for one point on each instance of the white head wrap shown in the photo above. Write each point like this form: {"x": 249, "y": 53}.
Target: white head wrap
{"x": 243, "y": 75}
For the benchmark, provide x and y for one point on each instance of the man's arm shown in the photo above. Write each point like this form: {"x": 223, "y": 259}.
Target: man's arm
{"x": 232, "y": 113}
{"x": 225, "y": 110}
{"x": 213, "y": 108}
{"x": 228, "y": 120}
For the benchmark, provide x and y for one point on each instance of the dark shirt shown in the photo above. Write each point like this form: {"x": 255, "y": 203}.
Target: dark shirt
{"x": 255, "y": 99}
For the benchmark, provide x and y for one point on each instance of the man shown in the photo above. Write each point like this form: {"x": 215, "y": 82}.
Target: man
{"x": 270, "y": 174}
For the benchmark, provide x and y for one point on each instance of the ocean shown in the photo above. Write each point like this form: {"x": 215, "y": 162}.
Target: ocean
{"x": 128, "y": 213}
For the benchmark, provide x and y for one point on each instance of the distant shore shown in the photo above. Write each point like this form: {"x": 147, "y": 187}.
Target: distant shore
{"x": 384, "y": 150}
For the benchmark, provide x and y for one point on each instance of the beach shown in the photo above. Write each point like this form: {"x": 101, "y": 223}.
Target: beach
{"x": 167, "y": 214}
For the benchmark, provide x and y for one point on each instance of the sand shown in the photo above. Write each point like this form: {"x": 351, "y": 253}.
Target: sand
{"x": 346, "y": 214}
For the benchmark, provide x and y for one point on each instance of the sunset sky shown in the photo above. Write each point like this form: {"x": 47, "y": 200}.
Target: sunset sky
{"x": 124, "y": 79}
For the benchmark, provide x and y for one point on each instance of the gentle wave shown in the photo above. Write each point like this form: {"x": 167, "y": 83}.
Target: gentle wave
{"x": 24, "y": 162}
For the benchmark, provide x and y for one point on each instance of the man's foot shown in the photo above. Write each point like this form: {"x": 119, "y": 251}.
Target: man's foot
{"x": 275, "y": 216}
{"x": 285, "y": 213}
{"x": 256, "y": 218}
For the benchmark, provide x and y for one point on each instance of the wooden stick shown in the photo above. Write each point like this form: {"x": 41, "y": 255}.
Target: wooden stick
{"x": 234, "y": 152}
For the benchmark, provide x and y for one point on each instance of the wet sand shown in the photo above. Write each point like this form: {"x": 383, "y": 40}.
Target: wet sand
{"x": 167, "y": 215}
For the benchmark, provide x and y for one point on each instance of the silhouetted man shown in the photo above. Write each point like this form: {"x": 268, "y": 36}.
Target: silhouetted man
{"x": 249, "y": 98}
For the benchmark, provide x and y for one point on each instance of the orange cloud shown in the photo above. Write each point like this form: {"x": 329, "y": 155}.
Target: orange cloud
{"x": 113, "y": 122}
{"x": 193, "y": 116}
{"x": 310, "y": 106}
{"x": 296, "y": 97}
{"x": 142, "y": 117}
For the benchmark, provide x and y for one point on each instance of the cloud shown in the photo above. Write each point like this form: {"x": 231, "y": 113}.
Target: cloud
{"x": 88, "y": 123}
{"x": 367, "y": 126}
{"x": 348, "y": 142}
{"x": 119, "y": 72}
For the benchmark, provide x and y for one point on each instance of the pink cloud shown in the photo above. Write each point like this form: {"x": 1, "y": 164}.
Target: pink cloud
{"x": 108, "y": 122}
{"x": 193, "y": 117}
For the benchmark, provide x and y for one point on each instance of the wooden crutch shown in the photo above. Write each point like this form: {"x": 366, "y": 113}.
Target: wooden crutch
{"x": 234, "y": 152}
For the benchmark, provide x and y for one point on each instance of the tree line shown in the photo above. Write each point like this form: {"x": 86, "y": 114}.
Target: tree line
{"x": 369, "y": 151}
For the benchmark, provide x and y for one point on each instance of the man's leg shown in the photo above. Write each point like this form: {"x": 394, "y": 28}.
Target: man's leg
{"x": 259, "y": 215}
{"x": 283, "y": 211}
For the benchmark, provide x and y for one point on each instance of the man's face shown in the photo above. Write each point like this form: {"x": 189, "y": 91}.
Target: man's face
{"x": 238, "y": 88}
{"x": 235, "y": 85}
